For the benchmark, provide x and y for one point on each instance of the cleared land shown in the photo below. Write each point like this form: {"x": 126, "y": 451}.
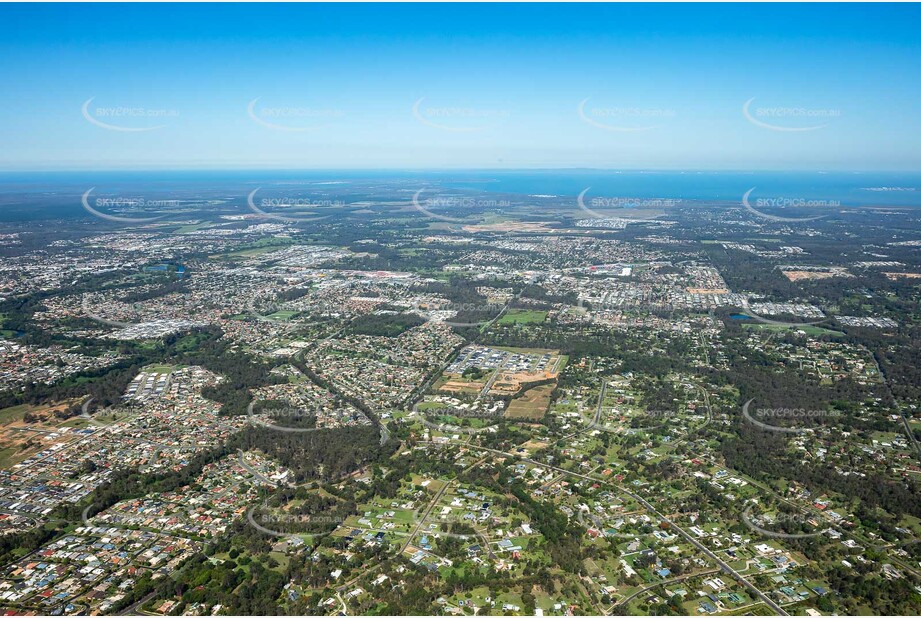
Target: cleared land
{"x": 532, "y": 405}
{"x": 523, "y": 316}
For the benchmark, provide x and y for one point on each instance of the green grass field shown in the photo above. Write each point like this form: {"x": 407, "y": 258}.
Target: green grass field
{"x": 15, "y": 413}
{"x": 282, "y": 316}
{"x": 525, "y": 350}
{"x": 523, "y": 316}
{"x": 188, "y": 229}
{"x": 160, "y": 368}
{"x": 429, "y": 405}
{"x": 809, "y": 330}
{"x": 253, "y": 251}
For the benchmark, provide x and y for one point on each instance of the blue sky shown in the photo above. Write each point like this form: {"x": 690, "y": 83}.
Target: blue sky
{"x": 835, "y": 87}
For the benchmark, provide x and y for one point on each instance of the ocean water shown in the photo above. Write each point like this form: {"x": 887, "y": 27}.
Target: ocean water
{"x": 850, "y": 189}
{"x": 32, "y": 194}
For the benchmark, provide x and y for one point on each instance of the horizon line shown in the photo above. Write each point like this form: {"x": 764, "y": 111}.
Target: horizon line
{"x": 459, "y": 169}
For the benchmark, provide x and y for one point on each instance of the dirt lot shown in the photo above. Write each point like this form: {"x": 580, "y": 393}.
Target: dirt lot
{"x": 895, "y": 276}
{"x": 20, "y": 440}
{"x": 532, "y": 405}
{"x": 799, "y": 275}
{"x": 456, "y": 384}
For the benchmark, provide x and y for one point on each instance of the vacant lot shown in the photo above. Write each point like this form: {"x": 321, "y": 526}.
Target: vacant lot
{"x": 20, "y": 439}
{"x": 532, "y": 405}
{"x": 523, "y": 316}
{"x": 808, "y": 329}
{"x": 457, "y": 384}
